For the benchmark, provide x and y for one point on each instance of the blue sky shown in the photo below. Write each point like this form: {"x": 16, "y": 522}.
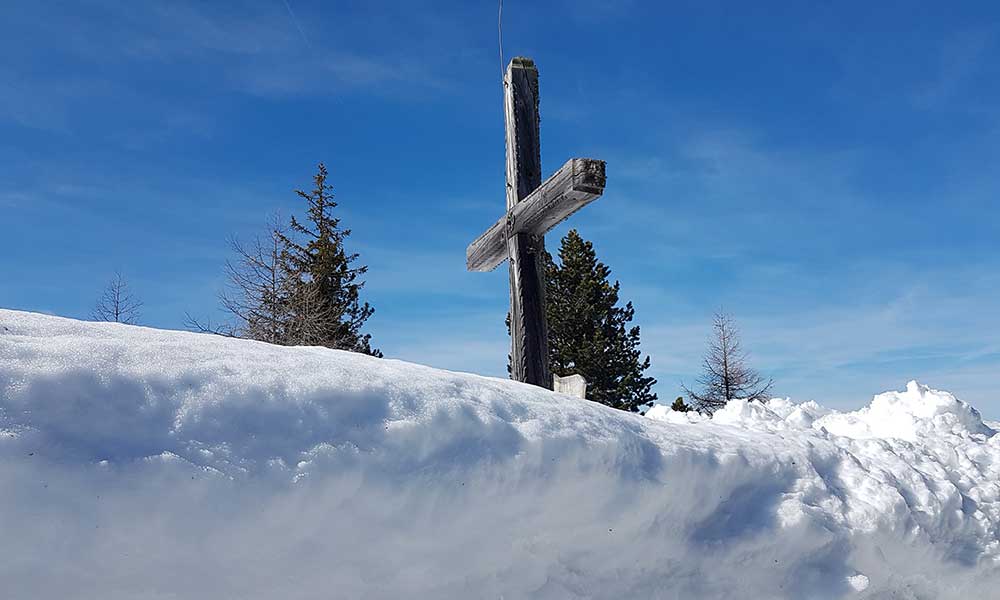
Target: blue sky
{"x": 825, "y": 172}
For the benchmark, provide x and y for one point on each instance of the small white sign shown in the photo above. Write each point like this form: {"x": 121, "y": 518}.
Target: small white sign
{"x": 571, "y": 385}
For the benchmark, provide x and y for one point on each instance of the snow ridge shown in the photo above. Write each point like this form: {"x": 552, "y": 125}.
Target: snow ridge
{"x": 139, "y": 463}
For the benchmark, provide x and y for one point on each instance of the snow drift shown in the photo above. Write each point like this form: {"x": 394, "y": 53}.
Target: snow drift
{"x": 137, "y": 463}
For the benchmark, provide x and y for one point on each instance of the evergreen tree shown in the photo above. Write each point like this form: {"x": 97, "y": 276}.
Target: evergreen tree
{"x": 326, "y": 279}
{"x": 588, "y": 331}
{"x": 679, "y": 405}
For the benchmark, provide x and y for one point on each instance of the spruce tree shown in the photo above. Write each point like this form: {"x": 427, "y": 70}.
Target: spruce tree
{"x": 325, "y": 272}
{"x": 588, "y": 330}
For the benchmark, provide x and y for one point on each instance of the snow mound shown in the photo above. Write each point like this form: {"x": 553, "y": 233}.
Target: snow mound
{"x": 910, "y": 415}
{"x": 138, "y": 463}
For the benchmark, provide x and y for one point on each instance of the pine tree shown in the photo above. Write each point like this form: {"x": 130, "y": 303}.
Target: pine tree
{"x": 326, "y": 281}
{"x": 588, "y": 331}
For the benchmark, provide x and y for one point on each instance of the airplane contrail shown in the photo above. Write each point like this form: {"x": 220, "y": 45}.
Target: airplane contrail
{"x": 295, "y": 21}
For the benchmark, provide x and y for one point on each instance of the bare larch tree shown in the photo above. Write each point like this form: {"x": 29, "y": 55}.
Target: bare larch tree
{"x": 264, "y": 298}
{"x": 726, "y": 375}
{"x": 117, "y": 303}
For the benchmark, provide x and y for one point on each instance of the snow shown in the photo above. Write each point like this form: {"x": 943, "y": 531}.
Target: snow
{"x": 138, "y": 463}
{"x": 858, "y": 582}
{"x": 909, "y": 415}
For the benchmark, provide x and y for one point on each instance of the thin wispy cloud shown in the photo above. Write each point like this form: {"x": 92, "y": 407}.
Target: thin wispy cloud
{"x": 250, "y": 51}
{"x": 960, "y": 59}
{"x": 10, "y": 199}
{"x": 295, "y": 21}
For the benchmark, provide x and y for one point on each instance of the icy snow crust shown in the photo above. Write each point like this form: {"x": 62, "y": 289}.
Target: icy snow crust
{"x": 137, "y": 463}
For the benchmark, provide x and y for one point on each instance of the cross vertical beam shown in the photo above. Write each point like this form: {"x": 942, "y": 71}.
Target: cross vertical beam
{"x": 533, "y": 208}
{"x": 529, "y": 333}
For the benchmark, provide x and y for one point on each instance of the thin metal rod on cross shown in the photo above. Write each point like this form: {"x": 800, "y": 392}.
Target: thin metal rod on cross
{"x": 533, "y": 208}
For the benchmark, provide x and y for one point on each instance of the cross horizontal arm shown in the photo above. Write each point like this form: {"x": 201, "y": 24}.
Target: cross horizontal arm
{"x": 578, "y": 183}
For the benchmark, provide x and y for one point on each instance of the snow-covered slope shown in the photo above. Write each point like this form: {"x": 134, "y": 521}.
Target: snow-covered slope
{"x": 137, "y": 463}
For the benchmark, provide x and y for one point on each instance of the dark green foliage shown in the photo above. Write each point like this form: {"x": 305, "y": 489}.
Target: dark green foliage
{"x": 679, "y": 405}
{"x": 324, "y": 272}
{"x": 588, "y": 331}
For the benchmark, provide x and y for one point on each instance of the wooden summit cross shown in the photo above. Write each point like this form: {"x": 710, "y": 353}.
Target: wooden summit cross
{"x": 533, "y": 208}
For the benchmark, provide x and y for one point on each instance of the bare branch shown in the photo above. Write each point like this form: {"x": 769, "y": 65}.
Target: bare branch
{"x": 193, "y": 324}
{"x": 726, "y": 375}
{"x": 117, "y": 303}
{"x": 269, "y": 298}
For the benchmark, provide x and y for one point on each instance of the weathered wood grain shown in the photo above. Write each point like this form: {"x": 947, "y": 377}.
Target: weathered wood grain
{"x": 529, "y": 334}
{"x": 533, "y": 208}
{"x": 578, "y": 183}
